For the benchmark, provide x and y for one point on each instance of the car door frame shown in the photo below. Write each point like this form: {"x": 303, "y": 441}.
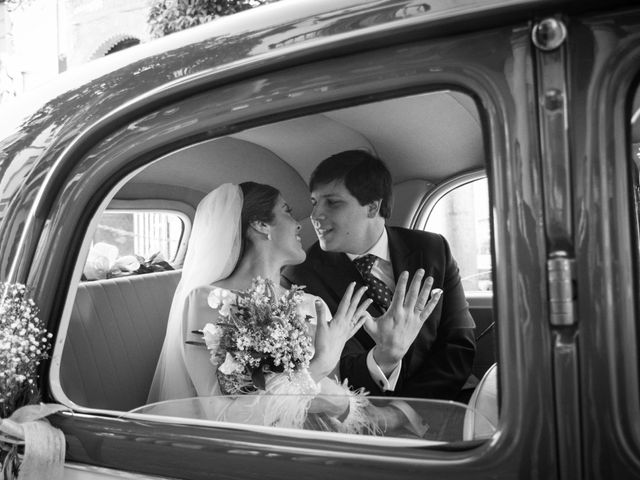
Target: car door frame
{"x": 604, "y": 54}
{"x": 65, "y": 199}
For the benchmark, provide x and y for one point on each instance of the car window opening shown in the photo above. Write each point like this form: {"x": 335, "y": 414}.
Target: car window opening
{"x": 129, "y": 310}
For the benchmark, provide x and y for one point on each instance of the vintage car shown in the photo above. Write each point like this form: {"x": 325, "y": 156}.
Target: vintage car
{"x": 512, "y": 127}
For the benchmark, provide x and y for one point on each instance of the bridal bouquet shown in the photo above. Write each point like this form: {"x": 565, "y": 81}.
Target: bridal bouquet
{"x": 258, "y": 332}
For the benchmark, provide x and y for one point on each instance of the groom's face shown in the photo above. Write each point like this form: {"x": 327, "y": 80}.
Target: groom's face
{"x": 340, "y": 222}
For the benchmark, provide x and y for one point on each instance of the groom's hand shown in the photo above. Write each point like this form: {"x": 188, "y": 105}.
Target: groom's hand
{"x": 398, "y": 327}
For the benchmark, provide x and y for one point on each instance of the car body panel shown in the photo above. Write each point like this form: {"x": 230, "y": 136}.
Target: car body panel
{"x": 607, "y": 291}
{"x": 404, "y": 69}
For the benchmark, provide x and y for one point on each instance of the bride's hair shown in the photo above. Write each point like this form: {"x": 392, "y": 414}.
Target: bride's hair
{"x": 259, "y": 201}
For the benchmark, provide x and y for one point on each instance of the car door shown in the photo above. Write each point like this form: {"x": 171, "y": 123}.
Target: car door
{"x": 358, "y": 53}
{"x": 602, "y": 54}
{"x": 494, "y": 67}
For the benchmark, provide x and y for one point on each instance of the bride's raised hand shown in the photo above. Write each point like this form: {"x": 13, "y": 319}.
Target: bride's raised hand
{"x": 331, "y": 336}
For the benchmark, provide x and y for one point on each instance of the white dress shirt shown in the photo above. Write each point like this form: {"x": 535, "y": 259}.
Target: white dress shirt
{"x": 383, "y": 270}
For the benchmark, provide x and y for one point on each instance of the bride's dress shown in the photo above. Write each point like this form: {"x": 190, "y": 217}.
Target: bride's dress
{"x": 295, "y": 401}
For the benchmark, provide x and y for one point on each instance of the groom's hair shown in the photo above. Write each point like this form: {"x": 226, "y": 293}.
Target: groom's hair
{"x": 365, "y": 176}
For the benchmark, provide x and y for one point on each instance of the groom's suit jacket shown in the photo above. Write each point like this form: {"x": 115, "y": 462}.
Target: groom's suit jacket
{"x": 439, "y": 361}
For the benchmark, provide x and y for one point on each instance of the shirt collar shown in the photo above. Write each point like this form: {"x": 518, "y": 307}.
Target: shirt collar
{"x": 380, "y": 249}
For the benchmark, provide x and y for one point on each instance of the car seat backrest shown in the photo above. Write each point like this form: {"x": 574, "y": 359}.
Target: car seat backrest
{"x": 481, "y": 418}
{"x": 115, "y": 334}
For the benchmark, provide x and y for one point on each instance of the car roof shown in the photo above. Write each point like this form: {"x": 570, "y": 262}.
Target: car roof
{"x": 256, "y": 34}
{"x": 79, "y": 106}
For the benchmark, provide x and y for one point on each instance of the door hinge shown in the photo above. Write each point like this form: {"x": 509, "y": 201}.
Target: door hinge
{"x": 560, "y": 278}
{"x": 549, "y": 35}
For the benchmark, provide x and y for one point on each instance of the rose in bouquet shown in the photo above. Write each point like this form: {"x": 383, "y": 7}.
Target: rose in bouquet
{"x": 258, "y": 332}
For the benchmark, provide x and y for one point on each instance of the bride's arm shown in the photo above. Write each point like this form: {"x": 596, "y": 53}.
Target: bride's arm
{"x": 331, "y": 337}
{"x": 320, "y": 365}
{"x": 196, "y": 356}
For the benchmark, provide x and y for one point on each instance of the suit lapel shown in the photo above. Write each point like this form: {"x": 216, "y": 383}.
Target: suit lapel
{"x": 402, "y": 258}
{"x": 340, "y": 270}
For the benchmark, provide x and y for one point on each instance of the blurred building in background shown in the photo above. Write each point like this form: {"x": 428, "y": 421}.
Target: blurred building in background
{"x": 41, "y": 38}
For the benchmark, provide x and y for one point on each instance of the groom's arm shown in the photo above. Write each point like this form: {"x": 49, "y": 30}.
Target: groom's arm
{"x": 451, "y": 351}
{"x": 355, "y": 368}
{"x": 446, "y": 369}
{"x": 439, "y": 361}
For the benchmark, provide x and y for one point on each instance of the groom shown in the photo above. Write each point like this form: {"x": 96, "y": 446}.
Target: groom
{"x": 351, "y": 198}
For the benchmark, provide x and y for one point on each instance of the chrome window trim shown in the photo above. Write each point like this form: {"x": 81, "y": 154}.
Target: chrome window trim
{"x": 431, "y": 198}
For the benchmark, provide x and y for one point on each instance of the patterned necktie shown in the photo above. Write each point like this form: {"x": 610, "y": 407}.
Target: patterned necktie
{"x": 378, "y": 290}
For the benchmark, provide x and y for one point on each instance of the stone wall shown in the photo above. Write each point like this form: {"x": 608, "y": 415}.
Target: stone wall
{"x": 97, "y": 26}
{"x": 46, "y": 37}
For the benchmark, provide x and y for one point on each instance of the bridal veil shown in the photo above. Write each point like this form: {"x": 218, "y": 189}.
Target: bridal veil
{"x": 212, "y": 254}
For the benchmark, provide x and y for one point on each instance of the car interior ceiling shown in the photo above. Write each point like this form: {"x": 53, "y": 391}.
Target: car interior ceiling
{"x": 424, "y": 139}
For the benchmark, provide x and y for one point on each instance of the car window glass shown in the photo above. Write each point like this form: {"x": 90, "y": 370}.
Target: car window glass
{"x": 129, "y": 315}
{"x": 129, "y": 242}
{"x": 415, "y": 421}
{"x": 462, "y": 216}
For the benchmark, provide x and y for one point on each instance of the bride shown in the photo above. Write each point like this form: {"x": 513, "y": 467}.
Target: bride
{"x": 241, "y": 232}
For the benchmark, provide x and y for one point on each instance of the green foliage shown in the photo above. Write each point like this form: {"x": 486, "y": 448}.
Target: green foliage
{"x": 15, "y": 4}
{"x": 169, "y": 16}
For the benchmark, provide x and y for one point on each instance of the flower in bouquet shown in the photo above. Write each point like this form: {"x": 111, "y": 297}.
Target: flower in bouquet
{"x": 24, "y": 343}
{"x": 257, "y": 332}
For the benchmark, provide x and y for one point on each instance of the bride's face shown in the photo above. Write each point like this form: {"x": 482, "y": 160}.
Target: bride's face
{"x": 285, "y": 233}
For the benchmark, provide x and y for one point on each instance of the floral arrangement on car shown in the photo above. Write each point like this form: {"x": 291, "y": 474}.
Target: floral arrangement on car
{"x": 258, "y": 333}
{"x": 103, "y": 261}
{"x": 29, "y": 446}
{"x": 24, "y": 343}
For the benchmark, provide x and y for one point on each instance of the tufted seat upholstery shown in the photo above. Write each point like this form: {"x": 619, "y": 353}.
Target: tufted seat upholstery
{"x": 114, "y": 339}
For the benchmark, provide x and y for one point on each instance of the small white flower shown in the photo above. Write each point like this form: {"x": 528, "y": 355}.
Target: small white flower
{"x": 220, "y": 299}
{"x": 212, "y": 334}
{"x": 230, "y": 365}
{"x": 259, "y": 286}
{"x": 215, "y": 298}
{"x": 226, "y": 306}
